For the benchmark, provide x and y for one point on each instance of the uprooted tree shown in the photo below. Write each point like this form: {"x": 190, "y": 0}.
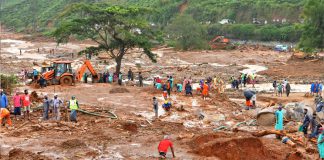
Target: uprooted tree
{"x": 115, "y": 29}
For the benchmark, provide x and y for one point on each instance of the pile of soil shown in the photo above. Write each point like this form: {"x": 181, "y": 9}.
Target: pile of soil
{"x": 297, "y": 70}
{"x": 118, "y": 90}
{"x": 72, "y": 143}
{"x": 34, "y": 97}
{"x": 130, "y": 126}
{"x": 19, "y": 154}
{"x": 248, "y": 148}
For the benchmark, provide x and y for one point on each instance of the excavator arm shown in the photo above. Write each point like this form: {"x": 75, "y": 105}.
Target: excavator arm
{"x": 87, "y": 65}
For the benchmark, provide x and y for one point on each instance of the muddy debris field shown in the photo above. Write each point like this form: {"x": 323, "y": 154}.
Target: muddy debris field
{"x": 118, "y": 121}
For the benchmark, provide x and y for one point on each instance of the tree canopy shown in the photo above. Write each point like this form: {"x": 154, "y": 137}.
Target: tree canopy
{"x": 313, "y": 34}
{"x": 187, "y": 33}
{"x": 115, "y": 29}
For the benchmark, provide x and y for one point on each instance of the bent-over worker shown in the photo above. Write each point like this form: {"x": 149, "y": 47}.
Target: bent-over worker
{"x": 4, "y": 113}
{"x": 163, "y": 147}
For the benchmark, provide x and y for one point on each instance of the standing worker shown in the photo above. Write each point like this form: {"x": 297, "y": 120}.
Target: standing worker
{"x": 35, "y": 74}
{"x": 85, "y": 78}
{"x": 188, "y": 89}
{"x": 26, "y": 104}
{"x": 274, "y": 85}
{"x": 306, "y": 122}
{"x": 205, "y": 90}
{"x": 163, "y": 147}
{"x": 254, "y": 100}
{"x": 120, "y": 78}
{"x": 74, "y": 106}
{"x": 288, "y": 89}
{"x": 168, "y": 85}
{"x": 279, "y": 120}
{"x": 3, "y": 100}
{"x": 46, "y": 105}
{"x": 171, "y": 82}
{"x": 4, "y": 113}
{"x": 140, "y": 78}
{"x": 280, "y": 90}
{"x": 156, "y": 107}
{"x": 17, "y": 104}
{"x": 130, "y": 73}
{"x": 56, "y": 106}
{"x": 110, "y": 77}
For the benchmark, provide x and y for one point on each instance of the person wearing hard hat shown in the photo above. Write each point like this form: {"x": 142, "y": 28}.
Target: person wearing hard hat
{"x": 56, "y": 107}
{"x": 166, "y": 105}
{"x": 4, "y": 113}
{"x": 74, "y": 106}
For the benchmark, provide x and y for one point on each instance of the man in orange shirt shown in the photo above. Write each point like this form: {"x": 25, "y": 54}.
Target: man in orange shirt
{"x": 4, "y": 113}
{"x": 163, "y": 147}
{"x": 26, "y": 104}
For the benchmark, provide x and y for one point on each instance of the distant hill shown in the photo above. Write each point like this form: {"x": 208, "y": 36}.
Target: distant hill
{"x": 39, "y": 15}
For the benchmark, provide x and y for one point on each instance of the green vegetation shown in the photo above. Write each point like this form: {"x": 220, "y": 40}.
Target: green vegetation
{"x": 8, "y": 82}
{"x": 187, "y": 33}
{"x": 313, "y": 35}
{"x": 282, "y": 33}
{"x": 115, "y": 29}
{"x": 265, "y": 20}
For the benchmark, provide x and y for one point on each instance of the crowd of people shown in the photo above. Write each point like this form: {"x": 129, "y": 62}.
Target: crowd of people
{"x": 168, "y": 85}
{"x": 281, "y": 88}
{"x": 22, "y": 107}
{"x": 316, "y": 88}
{"x": 310, "y": 122}
{"x": 243, "y": 80}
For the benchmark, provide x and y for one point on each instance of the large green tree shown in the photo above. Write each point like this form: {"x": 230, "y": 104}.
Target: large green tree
{"x": 313, "y": 35}
{"x": 115, "y": 29}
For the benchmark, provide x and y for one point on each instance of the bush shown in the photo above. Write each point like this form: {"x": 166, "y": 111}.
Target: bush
{"x": 8, "y": 82}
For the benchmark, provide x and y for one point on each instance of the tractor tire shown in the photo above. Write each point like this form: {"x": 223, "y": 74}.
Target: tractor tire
{"x": 66, "y": 81}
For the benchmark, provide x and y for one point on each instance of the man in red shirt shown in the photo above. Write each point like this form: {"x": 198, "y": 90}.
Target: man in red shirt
{"x": 163, "y": 147}
{"x": 26, "y": 104}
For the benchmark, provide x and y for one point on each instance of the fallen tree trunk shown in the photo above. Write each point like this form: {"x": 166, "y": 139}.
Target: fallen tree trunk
{"x": 267, "y": 132}
{"x": 99, "y": 115}
{"x": 286, "y": 133}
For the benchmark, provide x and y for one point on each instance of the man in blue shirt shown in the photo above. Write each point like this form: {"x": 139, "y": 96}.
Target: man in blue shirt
{"x": 35, "y": 74}
{"x": 3, "y": 100}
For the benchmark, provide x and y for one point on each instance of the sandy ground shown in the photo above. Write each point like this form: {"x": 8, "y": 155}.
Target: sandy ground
{"x": 136, "y": 133}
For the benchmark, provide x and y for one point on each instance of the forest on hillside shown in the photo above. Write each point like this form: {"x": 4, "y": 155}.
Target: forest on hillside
{"x": 263, "y": 20}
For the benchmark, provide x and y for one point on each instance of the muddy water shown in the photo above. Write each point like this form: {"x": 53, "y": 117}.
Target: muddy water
{"x": 253, "y": 69}
{"x": 13, "y": 47}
